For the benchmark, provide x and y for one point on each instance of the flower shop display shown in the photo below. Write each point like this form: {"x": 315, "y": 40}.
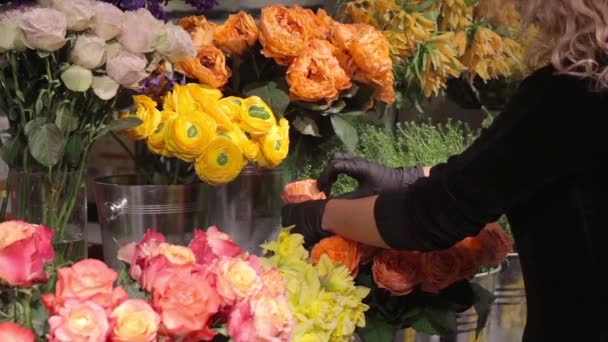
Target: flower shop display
{"x": 65, "y": 67}
{"x": 207, "y": 291}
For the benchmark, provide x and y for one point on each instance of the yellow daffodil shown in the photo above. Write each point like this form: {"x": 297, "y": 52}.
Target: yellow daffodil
{"x": 179, "y": 101}
{"x": 256, "y": 118}
{"x": 232, "y": 107}
{"x": 221, "y": 162}
{"x": 189, "y": 135}
{"x": 145, "y": 110}
{"x": 156, "y": 141}
{"x": 275, "y": 144}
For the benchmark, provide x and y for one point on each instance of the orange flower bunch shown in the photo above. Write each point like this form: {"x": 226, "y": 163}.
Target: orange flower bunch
{"x": 301, "y": 191}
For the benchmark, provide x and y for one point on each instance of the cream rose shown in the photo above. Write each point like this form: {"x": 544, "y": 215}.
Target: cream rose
{"x": 11, "y": 35}
{"x": 107, "y": 21}
{"x": 140, "y": 30}
{"x": 104, "y": 87}
{"x": 44, "y": 28}
{"x": 125, "y": 67}
{"x": 77, "y": 78}
{"x": 78, "y": 12}
{"x": 89, "y": 51}
{"x": 175, "y": 43}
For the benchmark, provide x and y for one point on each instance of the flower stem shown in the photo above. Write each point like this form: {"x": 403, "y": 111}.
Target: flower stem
{"x": 26, "y": 302}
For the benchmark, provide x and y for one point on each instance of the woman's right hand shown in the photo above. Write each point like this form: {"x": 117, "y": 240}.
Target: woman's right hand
{"x": 373, "y": 178}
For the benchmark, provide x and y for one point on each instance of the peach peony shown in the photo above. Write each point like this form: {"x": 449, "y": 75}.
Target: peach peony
{"x": 340, "y": 250}
{"x": 209, "y": 67}
{"x": 237, "y": 34}
{"x": 200, "y": 30}
{"x": 283, "y": 33}
{"x": 211, "y": 245}
{"x": 316, "y": 75}
{"x": 495, "y": 245}
{"x": 79, "y": 321}
{"x": 440, "y": 269}
{"x": 302, "y": 191}
{"x": 264, "y": 318}
{"x": 316, "y": 25}
{"x": 399, "y": 272}
{"x": 13, "y": 332}
{"x": 24, "y": 249}
{"x": 134, "y": 321}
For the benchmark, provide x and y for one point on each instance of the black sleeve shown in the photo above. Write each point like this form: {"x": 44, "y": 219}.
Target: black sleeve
{"x": 529, "y": 146}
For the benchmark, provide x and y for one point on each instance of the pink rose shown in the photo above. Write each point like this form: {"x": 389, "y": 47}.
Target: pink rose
{"x": 186, "y": 302}
{"x": 134, "y": 321}
{"x": 236, "y": 280}
{"x": 87, "y": 280}
{"x": 136, "y": 254}
{"x": 24, "y": 248}
{"x": 13, "y": 332}
{"x": 79, "y": 321}
{"x": 264, "y": 318}
{"x": 213, "y": 244}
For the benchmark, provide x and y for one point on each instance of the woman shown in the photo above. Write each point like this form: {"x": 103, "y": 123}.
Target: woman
{"x": 541, "y": 163}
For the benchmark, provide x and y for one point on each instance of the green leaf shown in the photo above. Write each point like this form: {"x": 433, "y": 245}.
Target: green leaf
{"x": 306, "y": 126}
{"x": 423, "y": 6}
{"x": 335, "y": 108}
{"x": 353, "y": 113}
{"x": 483, "y": 305}
{"x": 73, "y": 148}
{"x": 65, "y": 119}
{"x": 376, "y": 329}
{"x": 314, "y": 106}
{"x": 345, "y": 131}
{"x": 47, "y": 144}
{"x": 275, "y": 94}
{"x": 10, "y": 150}
{"x": 33, "y": 125}
{"x": 39, "y": 105}
{"x": 350, "y": 93}
{"x": 436, "y": 321}
{"x": 471, "y": 3}
{"x": 43, "y": 54}
{"x": 121, "y": 125}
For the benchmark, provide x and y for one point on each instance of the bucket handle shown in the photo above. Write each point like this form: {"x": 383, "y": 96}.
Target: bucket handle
{"x": 112, "y": 210}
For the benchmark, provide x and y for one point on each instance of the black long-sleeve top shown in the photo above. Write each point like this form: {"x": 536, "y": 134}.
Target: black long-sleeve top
{"x": 541, "y": 163}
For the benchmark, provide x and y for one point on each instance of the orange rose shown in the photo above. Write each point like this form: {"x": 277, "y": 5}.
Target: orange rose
{"x": 316, "y": 74}
{"x": 399, "y": 272}
{"x": 236, "y": 34}
{"x": 495, "y": 245}
{"x": 302, "y": 191}
{"x": 470, "y": 254}
{"x": 134, "y": 321}
{"x": 340, "y": 251}
{"x": 200, "y": 30}
{"x": 315, "y": 24}
{"x": 440, "y": 269}
{"x": 209, "y": 67}
{"x": 283, "y": 33}
{"x": 13, "y": 332}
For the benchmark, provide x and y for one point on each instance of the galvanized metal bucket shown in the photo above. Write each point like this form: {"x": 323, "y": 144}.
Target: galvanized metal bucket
{"x": 466, "y": 321}
{"x": 127, "y": 207}
{"x": 508, "y": 317}
{"x": 248, "y": 208}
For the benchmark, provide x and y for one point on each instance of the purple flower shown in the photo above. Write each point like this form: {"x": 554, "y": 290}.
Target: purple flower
{"x": 155, "y": 7}
{"x": 158, "y": 84}
{"x": 132, "y": 5}
{"x": 202, "y": 5}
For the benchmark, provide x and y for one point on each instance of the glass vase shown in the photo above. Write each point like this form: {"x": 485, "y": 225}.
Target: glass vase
{"x": 56, "y": 200}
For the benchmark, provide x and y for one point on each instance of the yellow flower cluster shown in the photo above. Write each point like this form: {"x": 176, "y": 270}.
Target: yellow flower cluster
{"x": 326, "y": 303}
{"x": 490, "y": 56}
{"x": 456, "y": 15}
{"x": 441, "y": 63}
{"x": 220, "y": 135}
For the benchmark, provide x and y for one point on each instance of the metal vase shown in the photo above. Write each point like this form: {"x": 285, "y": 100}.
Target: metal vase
{"x": 248, "y": 208}
{"x": 466, "y": 321}
{"x": 127, "y": 207}
{"x": 508, "y": 318}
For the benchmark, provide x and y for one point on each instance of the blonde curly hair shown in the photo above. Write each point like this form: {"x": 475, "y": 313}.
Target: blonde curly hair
{"x": 573, "y": 36}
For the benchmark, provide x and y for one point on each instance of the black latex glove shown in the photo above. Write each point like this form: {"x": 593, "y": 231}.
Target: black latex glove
{"x": 307, "y": 218}
{"x": 373, "y": 178}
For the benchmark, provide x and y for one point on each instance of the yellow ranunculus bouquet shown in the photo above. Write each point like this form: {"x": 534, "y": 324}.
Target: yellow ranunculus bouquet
{"x": 218, "y": 135}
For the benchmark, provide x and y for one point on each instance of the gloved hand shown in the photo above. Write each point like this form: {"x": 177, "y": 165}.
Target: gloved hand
{"x": 373, "y": 178}
{"x": 307, "y": 218}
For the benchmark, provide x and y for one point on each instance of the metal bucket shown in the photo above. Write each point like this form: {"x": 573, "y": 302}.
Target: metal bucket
{"x": 508, "y": 318}
{"x": 249, "y": 208}
{"x": 127, "y": 208}
{"x": 466, "y": 321}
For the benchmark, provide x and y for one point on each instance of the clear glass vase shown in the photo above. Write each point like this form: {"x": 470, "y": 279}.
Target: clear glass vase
{"x": 57, "y": 200}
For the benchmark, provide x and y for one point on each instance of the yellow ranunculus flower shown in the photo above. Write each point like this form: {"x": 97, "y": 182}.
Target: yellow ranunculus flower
{"x": 145, "y": 110}
{"x": 179, "y": 100}
{"x": 221, "y": 163}
{"x": 275, "y": 144}
{"x": 189, "y": 135}
{"x": 232, "y": 107}
{"x": 156, "y": 141}
{"x": 215, "y": 111}
{"x": 203, "y": 93}
{"x": 256, "y": 118}
{"x": 249, "y": 147}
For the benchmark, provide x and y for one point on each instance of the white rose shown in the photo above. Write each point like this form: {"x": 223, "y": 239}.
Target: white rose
{"x": 104, "y": 87}
{"x": 78, "y": 12}
{"x": 175, "y": 43}
{"x": 11, "y": 35}
{"x": 44, "y": 28}
{"x": 125, "y": 67}
{"x": 89, "y": 51}
{"x": 139, "y": 31}
{"x": 77, "y": 78}
{"x": 107, "y": 21}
